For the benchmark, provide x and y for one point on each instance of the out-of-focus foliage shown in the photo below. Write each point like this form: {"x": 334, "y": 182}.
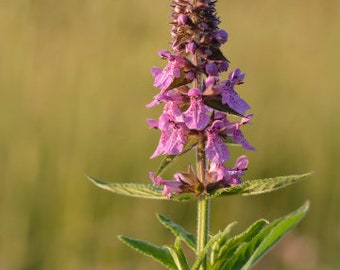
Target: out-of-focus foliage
{"x": 74, "y": 81}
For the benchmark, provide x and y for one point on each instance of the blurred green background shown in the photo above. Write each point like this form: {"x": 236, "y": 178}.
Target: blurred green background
{"x": 74, "y": 81}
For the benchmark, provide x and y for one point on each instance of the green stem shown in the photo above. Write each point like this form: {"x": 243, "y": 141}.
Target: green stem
{"x": 203, "y": 204}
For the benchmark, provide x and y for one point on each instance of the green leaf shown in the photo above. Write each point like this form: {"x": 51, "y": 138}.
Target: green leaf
{"x": 159, "y": 254}
{"x": 219, "y": 244}
{"x": 247, "y": 255}
{"x": 169, "y": 159}
{"x": 251, "y": 187}
{"x": 178, "y": 231}
{"x": 220, "y": 236}
{"x": 178, "y": 255}
{"x": 216, "y": 103}
{"x": 227, "y": 250}
{"x": 139, "y": 190}
{"x": 217, "y": 55}
{"x": 259, "y": 186}
{"x": 177, "y": 82}
{"x": 131, "y": 189}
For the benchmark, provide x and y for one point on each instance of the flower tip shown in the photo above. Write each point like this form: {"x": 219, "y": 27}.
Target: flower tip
{"x": 242, "y": 163}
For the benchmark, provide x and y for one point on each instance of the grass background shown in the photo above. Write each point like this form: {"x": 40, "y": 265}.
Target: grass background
{"x": 74, "y": 81}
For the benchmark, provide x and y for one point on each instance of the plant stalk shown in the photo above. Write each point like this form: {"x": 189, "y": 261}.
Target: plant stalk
{"x": 203, "y": 204}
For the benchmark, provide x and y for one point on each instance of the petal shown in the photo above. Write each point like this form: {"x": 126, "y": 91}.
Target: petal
{"x": 241, "y": 163}
{"x": 218, "y": 169}
{"x": 234, "y": 101}
{"x": 175, "y": 140}
{"x": 238, "y": 137}
{"x": 155, "y": 71}
{"x": 216, "y": 150}
{"x": 152, "y": 123}
{"x": 196, "y": 116}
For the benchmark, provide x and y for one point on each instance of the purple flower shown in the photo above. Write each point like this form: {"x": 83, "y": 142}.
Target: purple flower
{"x": 211, "y": 69}
{"x": 196, "y": 116}
{"x": 191, "y": 47}
{"x": 168, "y": 96}
{"x": 232, "y": 176}
{"x": 152, "y": 123}
{"x": 216, "y": 150}
{"x": 223, "y": 66}
{"x": 176, "y": 64}
{"x": 217, "y": 171}
{"x": 182, "y": 19}
{"x": 210, "y": 81}
{"x": 172, "y": 140}
{"x": 234, "y": 101}
{"x": 192, "y": 93}
{"x": 236, "y": 76}
{"x": 173, "y": 132}
{"x": 241, "y": 163}
{"x": 170, "y": 186}
{"x": 221, "y": 36}
{"x": 230, "y": 97}
{"x": 233, "y": 129}
{"x": 227, "y": 177}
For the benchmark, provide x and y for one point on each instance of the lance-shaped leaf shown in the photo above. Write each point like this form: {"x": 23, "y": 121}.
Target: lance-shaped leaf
{"x": 252, "y": 251}
{"x": 178, "y": 255}
{"x": 226, "y": 251}
{"x": 178, "y": 231}
{"x": 219, "y": 244}
{"x": 259, "y": 186}
{"x": 215, "y": 102}
{"x": 178, "y": 82}
{"x": 138, "y": 190}
{"x": 217, "y": 55}
{"x": 214, "y": 239}
{"x": 251, "y": 187}
{"x": 159, "y": 254}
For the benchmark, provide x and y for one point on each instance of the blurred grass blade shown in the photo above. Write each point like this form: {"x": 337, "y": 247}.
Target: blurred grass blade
{"x": 259, "y": 186}
{"x": 159, "y": 254}
{"x": 178, "y": 231}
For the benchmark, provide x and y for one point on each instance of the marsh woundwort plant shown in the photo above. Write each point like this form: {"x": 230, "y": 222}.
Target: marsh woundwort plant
{"x": 203, "y": 113}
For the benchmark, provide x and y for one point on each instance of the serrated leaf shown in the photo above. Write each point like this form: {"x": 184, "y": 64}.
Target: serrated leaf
{"x": 227, "y": 250}
{"x": 139, "y": 190}
{"x": 131, "y": 189}
{"x": 178, "y": 255}
{"x": 219, "y": 244}
{"x": 251, "y": 252}
{"x": 178, "y": 231}
{"x": 259, "y": 186}
{"x": 251, "y": 187}
{"x": 215, "y": 238}
{"x": 159, "y": 254}
{"x": 170, "y": 159}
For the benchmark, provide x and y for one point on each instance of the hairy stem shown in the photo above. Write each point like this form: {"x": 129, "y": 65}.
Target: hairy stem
{"x": 203, "y": 204}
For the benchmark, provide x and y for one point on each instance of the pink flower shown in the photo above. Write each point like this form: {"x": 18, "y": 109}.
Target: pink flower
{"x": 216, "y": 150}
{"x": 195, "y": 117}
